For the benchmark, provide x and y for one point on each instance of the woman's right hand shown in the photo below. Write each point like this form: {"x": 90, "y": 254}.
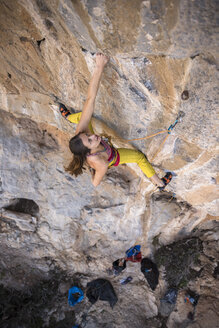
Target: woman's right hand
{"x": 101, "y": 60}
{"x": 88, "y": 109}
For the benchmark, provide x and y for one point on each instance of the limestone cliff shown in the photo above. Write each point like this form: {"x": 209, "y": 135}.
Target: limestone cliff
{"x": 57, "y": 230}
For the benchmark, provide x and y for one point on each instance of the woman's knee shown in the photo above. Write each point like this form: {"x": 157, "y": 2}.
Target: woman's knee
{"x": 141, "y": 158}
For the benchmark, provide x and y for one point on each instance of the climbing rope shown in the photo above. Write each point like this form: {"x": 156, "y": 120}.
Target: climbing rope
{"x": 171, "y": 127}
{"x": 147, "y": 137}
{"x": 159, "y": 149}
{"x": 168, "y": 131}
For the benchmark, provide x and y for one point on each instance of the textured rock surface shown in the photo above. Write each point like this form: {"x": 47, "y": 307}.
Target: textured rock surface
{"x": 63, "y": 229}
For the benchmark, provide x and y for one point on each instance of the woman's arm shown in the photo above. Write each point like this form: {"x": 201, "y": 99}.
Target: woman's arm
{"x": 100, "y": 167}
{"x": 98, "y": 175}
{"x": 88, "y": 108}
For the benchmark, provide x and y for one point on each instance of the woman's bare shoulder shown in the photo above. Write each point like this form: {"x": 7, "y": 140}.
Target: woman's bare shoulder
{"x": 96, "y": 160}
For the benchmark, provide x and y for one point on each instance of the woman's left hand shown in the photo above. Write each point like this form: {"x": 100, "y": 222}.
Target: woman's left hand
{"x": 101, "y": 60}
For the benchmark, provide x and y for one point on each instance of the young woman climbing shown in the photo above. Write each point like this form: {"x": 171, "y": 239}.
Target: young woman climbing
{"x": 93, "y": 150}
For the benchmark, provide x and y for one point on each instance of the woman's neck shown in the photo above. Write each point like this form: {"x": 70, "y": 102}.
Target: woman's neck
{"x": 97, "y": 149}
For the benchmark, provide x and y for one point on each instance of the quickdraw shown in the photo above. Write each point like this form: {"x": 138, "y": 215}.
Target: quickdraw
{"x": 168, "y": 131}
{"x": 178, "y": 119}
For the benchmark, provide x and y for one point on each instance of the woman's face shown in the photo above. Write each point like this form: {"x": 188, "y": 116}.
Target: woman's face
{"x": 89, "y": 140}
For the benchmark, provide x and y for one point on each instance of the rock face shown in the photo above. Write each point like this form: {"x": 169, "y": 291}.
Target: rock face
{"x": 57, "y": 230}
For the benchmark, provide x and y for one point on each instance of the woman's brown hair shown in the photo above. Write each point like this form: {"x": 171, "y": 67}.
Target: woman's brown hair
{"x": 80, "y": 152}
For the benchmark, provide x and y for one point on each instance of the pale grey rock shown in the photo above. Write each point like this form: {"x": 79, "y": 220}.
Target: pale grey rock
{"x": 199, "y": 19}
{"x": 201, "y": 108}
{"x": 75, "y": 24}
{"x": 24, "y": 222}
{"x": 157, "y": 50}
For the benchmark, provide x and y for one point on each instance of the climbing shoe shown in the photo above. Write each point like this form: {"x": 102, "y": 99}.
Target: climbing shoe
{"x": 166, "y": 179}
{"x": 63, "y": 110}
